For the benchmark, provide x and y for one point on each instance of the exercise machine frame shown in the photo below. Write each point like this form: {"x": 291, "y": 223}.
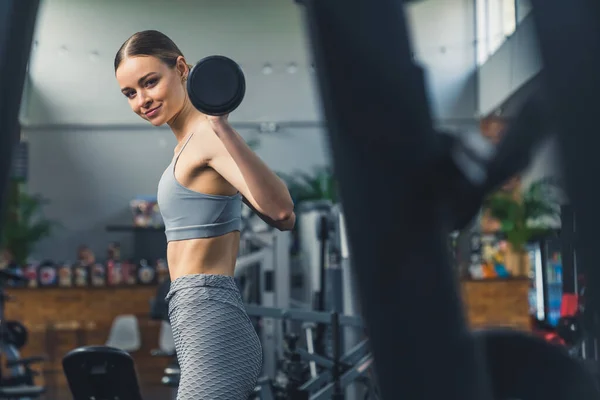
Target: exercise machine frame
{"x": 333, "y": 381}
{"x": 273, "y": 260}
{"x": 17, "y": 22}
{"x": 356, "y": 364}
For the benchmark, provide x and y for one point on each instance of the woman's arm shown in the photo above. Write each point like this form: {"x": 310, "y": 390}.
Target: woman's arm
{"x": 284, "y": 225}
{"x": 241, "y": 167}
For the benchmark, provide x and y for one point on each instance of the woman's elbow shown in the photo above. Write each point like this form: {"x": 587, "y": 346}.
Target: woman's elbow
{"x": 287, "y": 222}
{"x": 285, "y": 211}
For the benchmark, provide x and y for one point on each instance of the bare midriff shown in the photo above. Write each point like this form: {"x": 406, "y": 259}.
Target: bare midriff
{"x": 215, "y": 255}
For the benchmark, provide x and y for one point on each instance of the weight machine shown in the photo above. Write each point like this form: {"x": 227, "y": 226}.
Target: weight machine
{"x": 273, "y": 261}
{"x": 339, "y": 371}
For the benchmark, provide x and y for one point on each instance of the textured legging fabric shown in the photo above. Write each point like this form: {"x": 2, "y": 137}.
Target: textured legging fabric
{"x": 218, "y": 350}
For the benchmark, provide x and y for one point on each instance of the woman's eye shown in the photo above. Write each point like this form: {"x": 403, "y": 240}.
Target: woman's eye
{"x": 151, "y": 82}
{"x": 130, "y": 94}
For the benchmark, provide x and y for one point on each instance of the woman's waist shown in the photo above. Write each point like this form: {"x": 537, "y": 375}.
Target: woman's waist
{"x": 192, "y": 289}
{"x": 216, "y": 255}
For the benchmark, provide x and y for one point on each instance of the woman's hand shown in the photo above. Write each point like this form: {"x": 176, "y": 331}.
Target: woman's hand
{"x": 217, "y": 121}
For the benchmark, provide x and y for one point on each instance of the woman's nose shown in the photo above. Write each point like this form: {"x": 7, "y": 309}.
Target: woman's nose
{"x": 144, "y": 102}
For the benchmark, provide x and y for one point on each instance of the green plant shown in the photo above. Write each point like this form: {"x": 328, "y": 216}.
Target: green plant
{"x": 24, "y": 225}
{"x": 316, "y": 185}
{"x": 526, "y": 218}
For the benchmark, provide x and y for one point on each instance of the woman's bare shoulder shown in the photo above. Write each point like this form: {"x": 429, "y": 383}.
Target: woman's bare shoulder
{"x": 205, "y": 142}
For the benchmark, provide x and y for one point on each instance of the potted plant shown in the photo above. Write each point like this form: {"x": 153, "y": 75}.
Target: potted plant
{"x": 317, "y": 185}
{"x": 305, "y": 186}
{"x": 522, "y": 217}
{"x": 23, "y": 225}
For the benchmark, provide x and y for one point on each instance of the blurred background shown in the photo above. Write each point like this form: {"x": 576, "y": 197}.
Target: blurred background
{"x": 86, "y": 233}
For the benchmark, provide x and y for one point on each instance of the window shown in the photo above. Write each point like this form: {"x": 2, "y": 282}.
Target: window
{"x": 496, "y": 20}
{"x": 509, "y": 17}
{"x": 481, "y": 38}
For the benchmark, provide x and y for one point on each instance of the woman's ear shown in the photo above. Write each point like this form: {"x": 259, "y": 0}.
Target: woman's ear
{"x": 182, "y": 67}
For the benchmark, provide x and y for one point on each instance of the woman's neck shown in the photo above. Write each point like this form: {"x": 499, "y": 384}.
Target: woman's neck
{"x": 185, "y": 120}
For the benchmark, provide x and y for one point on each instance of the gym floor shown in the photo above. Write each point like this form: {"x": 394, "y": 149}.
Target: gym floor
{"x": 157, "y": 393}
{"x": 56, "y": 388}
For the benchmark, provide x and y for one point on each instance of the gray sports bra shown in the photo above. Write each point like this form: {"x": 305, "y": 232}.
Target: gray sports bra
{"x": 188, "y": 214}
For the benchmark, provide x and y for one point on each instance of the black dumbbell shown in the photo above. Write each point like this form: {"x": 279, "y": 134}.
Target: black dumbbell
{"x": 216, "y": 85}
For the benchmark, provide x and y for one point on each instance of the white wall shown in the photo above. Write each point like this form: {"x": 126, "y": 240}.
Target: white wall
{"x": 444, "y": 42}
{"x": 73, "y": 86}
{"x": 545, "y": 160}
{"x": 515, "y": 63}
{"x": 90, "y": 155}
{"x": 524, "y": 7}
{"x": 545, "y": 163}
{"x": 90, "y": 177}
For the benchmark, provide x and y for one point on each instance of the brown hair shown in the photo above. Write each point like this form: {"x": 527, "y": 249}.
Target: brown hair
{"x": 149, "y": 43}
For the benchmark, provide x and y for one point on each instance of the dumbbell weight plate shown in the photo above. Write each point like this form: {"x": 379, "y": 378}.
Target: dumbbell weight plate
{"x": 525, "y": 367}
{"x": 216, "y": 85}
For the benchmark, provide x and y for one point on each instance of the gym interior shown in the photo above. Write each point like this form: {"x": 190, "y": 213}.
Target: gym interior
{"x": 83, "y": 261}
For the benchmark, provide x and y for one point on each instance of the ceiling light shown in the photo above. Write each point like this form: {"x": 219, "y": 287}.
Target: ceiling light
{"x": 267, "y": 69}
{"x": 292, "y": 68}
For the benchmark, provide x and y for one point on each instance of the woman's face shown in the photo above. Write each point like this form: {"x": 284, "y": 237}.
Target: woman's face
{"x": 155, "y": 92}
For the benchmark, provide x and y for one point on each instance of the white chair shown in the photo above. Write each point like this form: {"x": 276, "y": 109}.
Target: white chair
{"x": 125, "y": 333}
{"x": 166, "y": 343}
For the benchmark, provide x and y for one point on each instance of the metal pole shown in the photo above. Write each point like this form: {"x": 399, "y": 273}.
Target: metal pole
{"x": 17, "y": 22}
{"x": 338, "y": 393}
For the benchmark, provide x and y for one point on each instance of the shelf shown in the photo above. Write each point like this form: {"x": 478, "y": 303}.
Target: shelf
{"x": 149, "y": 242}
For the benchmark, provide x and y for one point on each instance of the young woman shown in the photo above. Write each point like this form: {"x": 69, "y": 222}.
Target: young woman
{"x": 200, "y": 196}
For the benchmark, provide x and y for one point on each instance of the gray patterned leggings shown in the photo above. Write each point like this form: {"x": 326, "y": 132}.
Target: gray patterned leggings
{"x": 219, "y": 353}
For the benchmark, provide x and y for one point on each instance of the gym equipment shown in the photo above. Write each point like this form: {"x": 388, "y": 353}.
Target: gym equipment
{"x": 159, "y": 309}
{"x": 13, "y": 335}
{"x": 216, "y": 85}
{"x": 353, "y": 365}
{"x": 570, "y": 330}
{"x": 340, "y": 371}
{"x": 17, "y": 21}
{"x": 526, "y": 367}
{"x": 311, "y": 246}
{"x": 273, "y": 260}
{"x": 337, "y": 372}
{"x": 431, "y": 185}
{"x": 171, "y": 372}
{"x": 101, "y": 372}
